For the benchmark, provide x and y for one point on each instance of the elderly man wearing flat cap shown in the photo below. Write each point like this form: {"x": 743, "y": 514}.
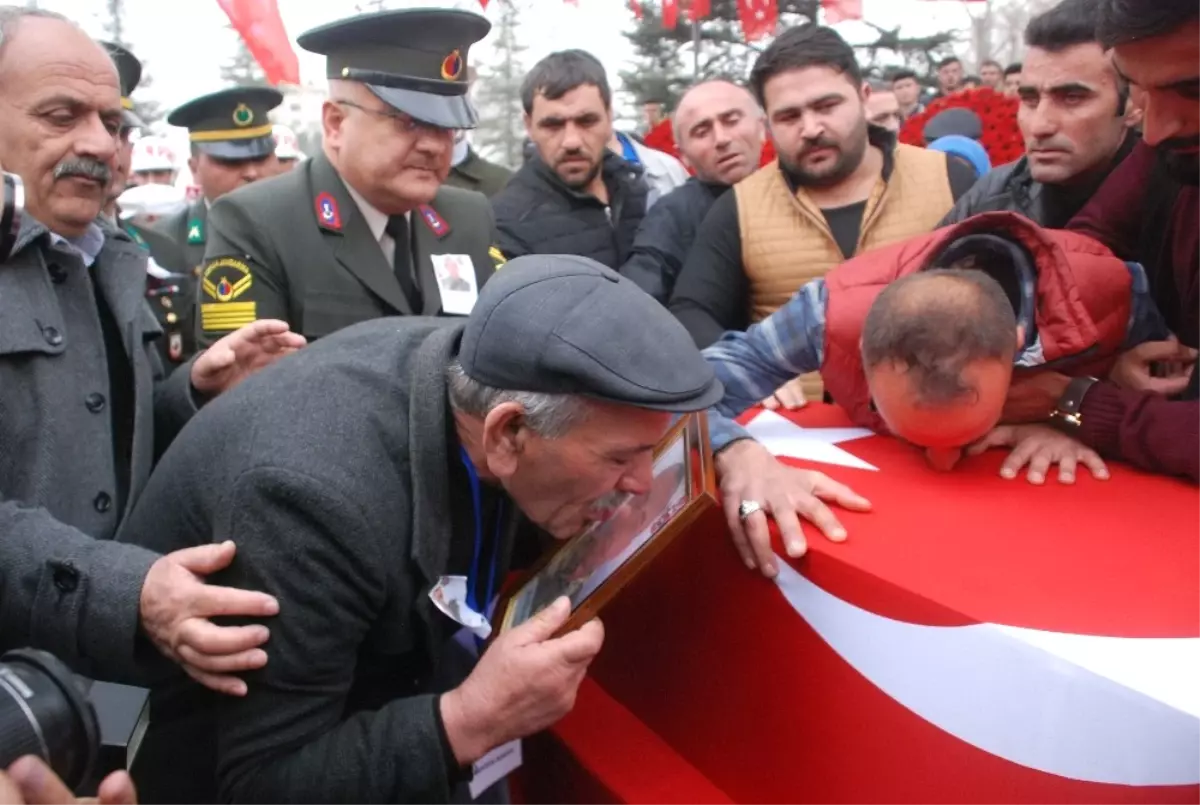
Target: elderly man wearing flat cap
{"x": 372, "y": 464}
{"x": 363, "y": 229}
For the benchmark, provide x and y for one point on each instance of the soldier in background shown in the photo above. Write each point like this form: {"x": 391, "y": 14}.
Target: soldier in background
{"x": 363, "y": 229}
{"x": 232, "y": 146}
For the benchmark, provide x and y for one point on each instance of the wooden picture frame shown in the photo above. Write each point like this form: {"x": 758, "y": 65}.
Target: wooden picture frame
{"x": 592, "y": 567}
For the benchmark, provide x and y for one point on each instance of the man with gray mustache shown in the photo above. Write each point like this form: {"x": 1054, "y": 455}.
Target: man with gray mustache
{"x": 82, "y": 414}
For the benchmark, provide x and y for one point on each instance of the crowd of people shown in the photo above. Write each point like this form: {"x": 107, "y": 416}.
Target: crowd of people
{"x": 244, "y": 436}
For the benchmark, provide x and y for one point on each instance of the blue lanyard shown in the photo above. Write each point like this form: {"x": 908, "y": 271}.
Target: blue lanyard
{"x": 629, "y": 151}
{"x": 477, "y": 553}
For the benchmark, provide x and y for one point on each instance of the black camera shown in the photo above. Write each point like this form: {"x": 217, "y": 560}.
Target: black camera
{"x": 14, "y": 211}
{"x": 45, "y": 712}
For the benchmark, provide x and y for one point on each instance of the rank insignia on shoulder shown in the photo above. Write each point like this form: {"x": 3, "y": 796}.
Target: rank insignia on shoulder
{"x": 497, "y": 256}
{"x": 223, "y": 281}
{"x": 328, "y": 215}
{"x": 436, "y": 223}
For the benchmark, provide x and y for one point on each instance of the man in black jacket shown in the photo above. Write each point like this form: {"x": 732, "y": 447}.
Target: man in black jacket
{"x": 1075, "y": 116}
{"x": 574, "y": 196}
{"x": 720, "y": 132}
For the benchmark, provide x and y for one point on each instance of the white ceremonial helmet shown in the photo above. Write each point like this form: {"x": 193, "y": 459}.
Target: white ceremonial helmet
{"x": 150, "y": 201}
{"x": 287, "y": 146}
{"x": 152, "y": 154}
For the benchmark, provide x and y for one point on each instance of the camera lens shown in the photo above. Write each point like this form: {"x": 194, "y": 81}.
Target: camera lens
{"x": 44, "y": 712}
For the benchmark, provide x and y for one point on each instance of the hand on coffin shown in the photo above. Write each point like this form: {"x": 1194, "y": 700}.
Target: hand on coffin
{"x": 242, "y": 353}
{"x": 1040, "y": 446}
{"x": 748, "y": 472}
{"x": 176, "y": 606}
{"x": 29, "y": 781}
{"x": 789, "y": 396}
{"x": 525, "y": 682}
{"x": 1136, "y": 369}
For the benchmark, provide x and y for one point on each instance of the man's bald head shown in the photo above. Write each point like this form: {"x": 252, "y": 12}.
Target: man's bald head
{"x": 720, "y": 132}
{"x": 60, "y": 117}
{"x": 937, "y": 349}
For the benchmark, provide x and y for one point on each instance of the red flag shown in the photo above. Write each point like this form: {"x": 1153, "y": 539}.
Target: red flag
{"x": 636, "y": 8}
{"x": 484, "y": 4}
{"x": 698, "y": 9}
{"x": 841, "y": 10}
{"x": 758, "y": 18}
{"x": 670, "y": 13}
{"x": 261, "y": 28}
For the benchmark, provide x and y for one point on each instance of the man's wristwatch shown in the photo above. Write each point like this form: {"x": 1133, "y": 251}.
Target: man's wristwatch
{"x": 1067, "y": 415}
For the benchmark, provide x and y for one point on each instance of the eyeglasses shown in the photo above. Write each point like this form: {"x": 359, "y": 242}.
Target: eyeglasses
{"x": 402, "y": 123}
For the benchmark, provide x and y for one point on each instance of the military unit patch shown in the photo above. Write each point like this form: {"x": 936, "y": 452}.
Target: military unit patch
{"x": 436, "y": 223}
{"x": 195, "y": 231}
{"x": 328, "y": 215}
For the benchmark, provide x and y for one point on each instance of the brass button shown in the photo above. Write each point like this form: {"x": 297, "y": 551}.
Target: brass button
{"x": 172, "y": 318}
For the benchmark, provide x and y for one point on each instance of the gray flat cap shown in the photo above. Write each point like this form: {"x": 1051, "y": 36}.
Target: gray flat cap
{"x": 560, "y": 324}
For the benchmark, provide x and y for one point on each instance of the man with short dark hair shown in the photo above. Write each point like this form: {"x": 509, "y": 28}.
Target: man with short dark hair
{"x": 1076, "y": 119}
{"x": 992, "y": 75}
{"x": 1012, "y": 79}
{"x": 575, "y": 196}
{"x": 1146, "y": 412}
{"x": 840, "y": 186}
{"x": 949, "y": 76}
{"x": 908, "y": 93}
{"x": 719, "y": 131}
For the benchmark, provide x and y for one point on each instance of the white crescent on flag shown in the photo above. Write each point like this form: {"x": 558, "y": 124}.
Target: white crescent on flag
{"x": 1122, "y": 711}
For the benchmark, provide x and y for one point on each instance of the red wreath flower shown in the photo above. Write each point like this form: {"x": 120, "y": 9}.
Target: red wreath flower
{"x": 1001, "y": 136}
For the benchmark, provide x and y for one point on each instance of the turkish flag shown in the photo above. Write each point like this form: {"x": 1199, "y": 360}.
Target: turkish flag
{"x": 483, "y": 3}
{"x": 636, "y": 8}
{"x": 841, "y": 10}
{"x": 974, "y": 640}
{"x": 698, "y": 9}
{"x": 758, "y": 18}
{"x": 670, "y": 13}
{"x": 261, "y": 28}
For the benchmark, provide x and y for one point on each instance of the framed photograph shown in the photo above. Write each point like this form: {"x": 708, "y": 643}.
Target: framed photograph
{"x": 593, "y": 566}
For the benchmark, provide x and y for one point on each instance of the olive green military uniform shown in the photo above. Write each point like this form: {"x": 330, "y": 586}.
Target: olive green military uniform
{"x": 478, "y": 174}
{"x": 296, "y": 247}
{"x": 231, "y": 125}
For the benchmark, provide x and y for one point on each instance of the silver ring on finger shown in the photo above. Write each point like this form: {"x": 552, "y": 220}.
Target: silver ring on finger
{"x": 747, "y": 508}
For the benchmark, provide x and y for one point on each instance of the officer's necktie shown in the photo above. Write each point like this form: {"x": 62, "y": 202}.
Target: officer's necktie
{"x": 397, "y": 227}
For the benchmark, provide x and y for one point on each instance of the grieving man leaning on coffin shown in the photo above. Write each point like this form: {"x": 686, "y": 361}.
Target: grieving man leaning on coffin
{"x": 83, "y": 412}
{"x": 432, "y": 448}
{"x": 922, "y": 339}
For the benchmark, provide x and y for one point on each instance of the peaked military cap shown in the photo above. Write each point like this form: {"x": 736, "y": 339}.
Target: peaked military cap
{"x": 129, "y": 71}
{"x": 414, "y": 60}
{"x": 232, "y": 123}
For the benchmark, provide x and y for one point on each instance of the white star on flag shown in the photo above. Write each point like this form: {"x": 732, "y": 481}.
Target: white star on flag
{"x": 785, "y": 438}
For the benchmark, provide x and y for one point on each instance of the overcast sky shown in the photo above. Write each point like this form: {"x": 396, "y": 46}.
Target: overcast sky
{"x": 184, "y": 42}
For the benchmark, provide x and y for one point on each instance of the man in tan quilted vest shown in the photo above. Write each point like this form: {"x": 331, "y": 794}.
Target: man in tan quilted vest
{"x": 840, "y": 187}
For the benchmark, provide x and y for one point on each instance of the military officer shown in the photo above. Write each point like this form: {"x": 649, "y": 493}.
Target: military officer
{"x": 232, "y": 145}
{"x": 365, "y": 228}
{"x": 129, "y": 73}
{"x": 473, "y": 172}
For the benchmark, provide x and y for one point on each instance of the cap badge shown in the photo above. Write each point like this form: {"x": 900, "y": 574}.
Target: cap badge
{"x": 243, "y": 115}
{"x": 328, "y": 215}
{"x": 452, "y": 66}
